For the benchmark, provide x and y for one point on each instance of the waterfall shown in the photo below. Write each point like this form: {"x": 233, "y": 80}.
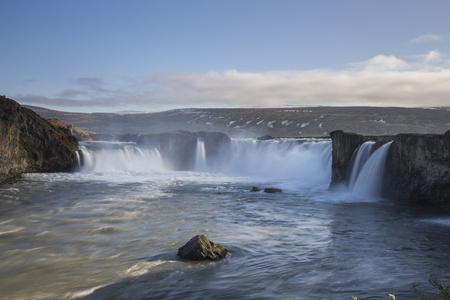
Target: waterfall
{"x": 369, "y": 180}
{"x": 114, "y": 157}
{"x": 308, "y": 160}
{"x": 200, "y": 157}
{"x": 78, "y": 159}
{"x": 303, "y": 160}
{"x": 358, "y": 160}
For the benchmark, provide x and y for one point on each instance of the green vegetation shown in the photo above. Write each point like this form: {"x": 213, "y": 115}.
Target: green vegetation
{"x": 442, "y": 294}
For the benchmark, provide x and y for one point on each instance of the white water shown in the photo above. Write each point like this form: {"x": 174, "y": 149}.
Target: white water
{"x": 369, "y": 180}
{"x": 120, "y": 157}
{"x": 200, "y": 158}
{"x": 308, "y": 161}
{"x": 359, "y": 158}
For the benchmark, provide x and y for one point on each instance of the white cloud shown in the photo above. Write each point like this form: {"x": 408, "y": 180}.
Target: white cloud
{"x": 428, "y": 38}
{"x": 381, "y": 81}
{"x": 381, "y": 63}
{"x": 432, "y": 56}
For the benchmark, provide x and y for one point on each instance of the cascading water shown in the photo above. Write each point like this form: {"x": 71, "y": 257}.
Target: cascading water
{"x": 359, "y": 158}
{"x": 200, "y": 158}
{"x": 116, "y": 157}
{"x": 370, "y": 178}
{"x": 308, "y": 160}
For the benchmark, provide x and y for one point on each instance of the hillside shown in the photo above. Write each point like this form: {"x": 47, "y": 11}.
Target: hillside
{"x": 300, "y": 121}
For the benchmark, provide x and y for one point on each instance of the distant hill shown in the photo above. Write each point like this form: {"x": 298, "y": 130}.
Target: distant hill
{"x": 251, "y": 122}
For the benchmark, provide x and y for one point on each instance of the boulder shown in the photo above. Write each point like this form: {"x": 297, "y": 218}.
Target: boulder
{"x": 201, "y": 248}
{"x": 272, "y": 190}
{"x": 255, "y": 189}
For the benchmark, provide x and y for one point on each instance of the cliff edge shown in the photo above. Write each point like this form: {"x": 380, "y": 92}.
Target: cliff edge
{"x": 417, "y": 166}
{"x": 29, "y": 143}
{"x": 418, "y": 169}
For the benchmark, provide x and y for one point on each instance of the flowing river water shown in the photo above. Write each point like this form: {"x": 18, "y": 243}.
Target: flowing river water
{"x": 112, "y": 229}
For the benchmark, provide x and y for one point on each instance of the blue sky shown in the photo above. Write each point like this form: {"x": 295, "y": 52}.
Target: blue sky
{"x": 108, "y": 55}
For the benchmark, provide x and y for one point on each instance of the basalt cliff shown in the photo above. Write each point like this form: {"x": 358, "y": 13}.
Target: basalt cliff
{"x": 417, "y": 165}
{"x": 29, "y": 143}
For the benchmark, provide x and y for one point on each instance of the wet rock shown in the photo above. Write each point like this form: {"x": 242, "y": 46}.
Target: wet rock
{"x": 201, "y": 248}
{"x": 272, "y": 190}
{"x": 255, "y": 189}
{"x": 418, "y": 169}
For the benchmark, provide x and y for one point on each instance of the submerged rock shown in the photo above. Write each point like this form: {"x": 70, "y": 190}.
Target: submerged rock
{"x": 272, "y": 190}
{"x": 201, "y": 248}
{"x": 255, "y": 189}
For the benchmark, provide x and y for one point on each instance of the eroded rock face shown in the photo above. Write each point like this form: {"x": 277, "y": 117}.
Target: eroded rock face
{"x": 418, "y": 169}
{"x": 29, "y": 143}
{"x": 201, "y": 248}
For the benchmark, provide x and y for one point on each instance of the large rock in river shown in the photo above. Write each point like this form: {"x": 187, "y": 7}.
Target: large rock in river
{"x": 29, "y": 143}
{"x": 201, "y": 248}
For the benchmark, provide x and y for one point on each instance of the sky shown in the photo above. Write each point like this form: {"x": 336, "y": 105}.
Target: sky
{"x": 110, "y": 55}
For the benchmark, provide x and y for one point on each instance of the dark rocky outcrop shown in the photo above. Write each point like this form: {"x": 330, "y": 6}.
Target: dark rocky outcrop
{"x": 272, "y": 190}
{"x": 418, "y": 169}
{"x": 29, "y": 143}
{"x": 201, "y": 248}
{"x": 180, "y": 147}
{"x": 417, "y": 165}
{"x": 255, "y": 189}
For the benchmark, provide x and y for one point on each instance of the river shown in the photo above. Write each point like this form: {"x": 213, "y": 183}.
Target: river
{"x": 112, "y": 229}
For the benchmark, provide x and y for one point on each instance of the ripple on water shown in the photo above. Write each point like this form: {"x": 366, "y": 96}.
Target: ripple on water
{"x": 104, "y": 230}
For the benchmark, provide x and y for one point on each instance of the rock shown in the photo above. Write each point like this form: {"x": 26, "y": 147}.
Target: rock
{"x": 81, "y": 135}
{"x": 272, "y": 190}
{"x": 201, "y": 248}
{"x": 255, "y": 189}
{"x": 31, "y": 144}
{"x": 265, "y": 138}
{"x": 418, "y": 169}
